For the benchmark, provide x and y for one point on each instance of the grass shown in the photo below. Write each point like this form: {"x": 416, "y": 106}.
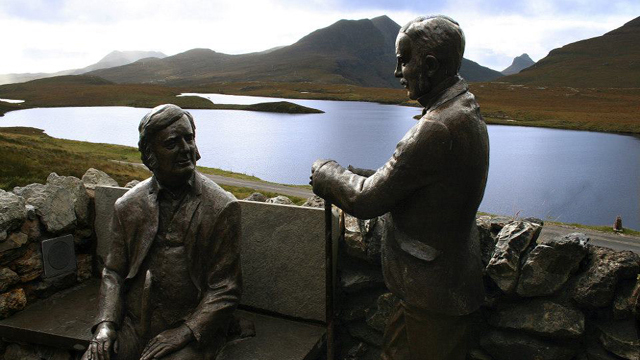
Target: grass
{"x": 29, "y": 155}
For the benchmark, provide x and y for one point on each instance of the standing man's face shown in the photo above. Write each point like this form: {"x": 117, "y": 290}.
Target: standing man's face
{"x": 410, "y": 68}
{"x": 175, "y": 151}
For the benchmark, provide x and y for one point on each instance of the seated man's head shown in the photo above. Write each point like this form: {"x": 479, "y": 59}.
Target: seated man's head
{"x": 429, "y": 50}
{"x": 167, "y": 143}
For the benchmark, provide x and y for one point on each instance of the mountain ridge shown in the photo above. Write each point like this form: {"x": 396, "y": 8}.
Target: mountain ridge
{"x": 354, "y": 52}
{"x": 611, "y": 60}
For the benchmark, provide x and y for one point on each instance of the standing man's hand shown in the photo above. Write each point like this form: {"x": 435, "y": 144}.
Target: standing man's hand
{"x": 317, "y": 165}
{"x": 167, "y": 342}
{"x": 103, "y": 342}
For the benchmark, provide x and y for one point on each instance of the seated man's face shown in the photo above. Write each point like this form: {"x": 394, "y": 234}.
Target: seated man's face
{"x": 175, "y": 151}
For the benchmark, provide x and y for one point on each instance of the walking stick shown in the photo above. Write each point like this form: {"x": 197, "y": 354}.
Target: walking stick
{"x": 328, "y": 220}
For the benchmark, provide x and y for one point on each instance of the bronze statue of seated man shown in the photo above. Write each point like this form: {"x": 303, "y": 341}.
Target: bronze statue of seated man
{"x": 172, "y": 279}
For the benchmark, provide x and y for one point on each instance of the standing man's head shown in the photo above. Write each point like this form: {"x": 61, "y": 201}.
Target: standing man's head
{"x": 429, "y": 50}
{"x": 167, "y": 143}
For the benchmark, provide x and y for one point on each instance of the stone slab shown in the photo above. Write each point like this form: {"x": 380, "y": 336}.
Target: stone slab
{"x": 63, "y": 320}
{"x": 283, "y": 254}
{"x": 276, "y": 339}
{"x": 283, "y": 259}
{"x": 105, "y": 197}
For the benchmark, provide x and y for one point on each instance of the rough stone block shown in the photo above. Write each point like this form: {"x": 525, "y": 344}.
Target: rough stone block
{"x": 623, "y": 301}
{"x": 620, "y": 338}
{"x": 512, "y": 242}
{"x": 549, "y": 265}
{"x": 54, "y": 205}
{"x": 8, "y": 278}
{"x": 84, "y": 263}
{"x": 12, "y": 301}
{"x": 280, "y": 199}
{"x": 379, "y": 316}
{"x": 12, "y": 212}
{"x": 541, "y": 317}
{"x": 510, "y": 346}
{"x": 78, "y": 195}
{"x": 29, "y": 267}
{"x": 595, "y": 286}
{"x": 93, "y": 178}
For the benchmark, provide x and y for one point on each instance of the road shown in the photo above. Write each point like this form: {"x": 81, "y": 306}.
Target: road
{"x": 610, "y": 240}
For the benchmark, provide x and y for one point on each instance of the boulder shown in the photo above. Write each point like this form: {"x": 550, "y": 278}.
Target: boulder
{"x": 44, "y": 288}
{"x": 55, "y": 207}
{"x": 280, "y": 199}
{"x": 14, "y": 241}
{"x": 511, "y": 345}
{"x": 596, "y": 285}
{"x": 29, "y": 267}
{"x": 361, "y": 331}
{"x": 486, "y": 238}
{"x": 12, "y": 212}
{"x": 256, "y": 196}
{"x": 356, "y": 306}
{"x": 132, "y": 183}
{"x": 363, "y": 238}
{"x": 13, "y": 248}
{"x": 29, "y": 191}
{"x": 549, "y": 265}
{"x": 357, "y": 278}
{"x": 540, "y": 317}
{"x": 623, "y": 301}
{"x": 314, "y": 201}
{"x": 12, "y": 301}
{"x": 31, "y": 228}
{"x": 78, "y": 193}
{"x": 84, "y": 267}
{"x": 378, "y": 317}
{"x": 595, "y": 351}
{"x": 94, "y": 177}
{"x": 620, "y": 338}
{"x": 8, "y": 278}
{"x": 512, "y": 243}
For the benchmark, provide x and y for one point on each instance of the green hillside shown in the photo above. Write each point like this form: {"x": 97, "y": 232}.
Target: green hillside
{"x": 611, "y": 60}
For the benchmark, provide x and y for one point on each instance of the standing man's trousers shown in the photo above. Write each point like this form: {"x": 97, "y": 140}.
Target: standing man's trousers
{"x": 417, "y": 334}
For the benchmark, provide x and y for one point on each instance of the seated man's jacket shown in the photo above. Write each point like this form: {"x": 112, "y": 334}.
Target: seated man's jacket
{"x": 209, "y": 223}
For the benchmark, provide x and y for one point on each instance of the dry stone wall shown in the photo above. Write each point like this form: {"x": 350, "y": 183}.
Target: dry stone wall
{"x": 29, "y": 215}
{"x": 562, "y": 299}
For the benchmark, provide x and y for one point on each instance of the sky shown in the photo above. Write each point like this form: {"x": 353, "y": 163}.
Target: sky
{"x": 54, "y": 35}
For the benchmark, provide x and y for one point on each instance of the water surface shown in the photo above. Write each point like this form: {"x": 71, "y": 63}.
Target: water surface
{"x": 562, "y": 175}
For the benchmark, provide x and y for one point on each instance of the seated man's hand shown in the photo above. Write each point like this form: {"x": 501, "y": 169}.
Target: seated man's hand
{"x": 103, "y": 342}
{"x": 167, "y": 342}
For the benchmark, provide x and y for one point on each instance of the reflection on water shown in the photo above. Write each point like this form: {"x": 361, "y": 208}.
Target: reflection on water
{"x": 561, "y": 175}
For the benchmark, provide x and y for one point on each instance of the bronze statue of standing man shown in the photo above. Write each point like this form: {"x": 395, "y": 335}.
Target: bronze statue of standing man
{"x": 172, "y": 278}
{"x": 431, "y": 188}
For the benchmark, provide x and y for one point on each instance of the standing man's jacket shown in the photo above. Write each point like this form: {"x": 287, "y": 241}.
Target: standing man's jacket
{"x": 432, "y": 187}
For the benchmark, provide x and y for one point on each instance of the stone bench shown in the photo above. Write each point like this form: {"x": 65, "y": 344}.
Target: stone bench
{"x": 283, "y": 261}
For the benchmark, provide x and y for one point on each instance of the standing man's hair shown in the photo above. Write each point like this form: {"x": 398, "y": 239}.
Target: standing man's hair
{"x": 156, "y": 120}
{"x": 439, "y": 36}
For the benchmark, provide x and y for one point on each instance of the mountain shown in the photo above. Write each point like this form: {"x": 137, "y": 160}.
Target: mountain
{"x": 357, "y": 52}
{"x": 610, "y": 60}
{"x": 119, "y": 58}
{"x": 114, "y": 58}
{"x": 519, "y": 63}
{"x": 472, "y": 71}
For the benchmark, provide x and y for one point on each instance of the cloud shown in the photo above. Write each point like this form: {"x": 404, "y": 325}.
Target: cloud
{"x": 83, "y": 31}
